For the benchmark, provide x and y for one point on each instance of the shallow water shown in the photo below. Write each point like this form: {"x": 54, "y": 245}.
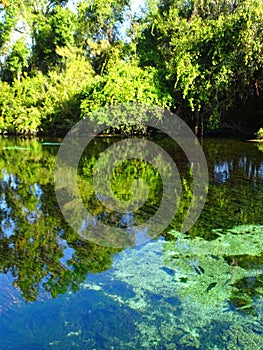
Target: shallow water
{"x": 199, "y": 290}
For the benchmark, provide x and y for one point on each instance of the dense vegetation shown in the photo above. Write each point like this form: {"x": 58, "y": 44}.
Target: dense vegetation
{"x": 202, "y": 59}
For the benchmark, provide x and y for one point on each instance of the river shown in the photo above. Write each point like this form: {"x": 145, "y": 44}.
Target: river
{"x": 202, "y": 289}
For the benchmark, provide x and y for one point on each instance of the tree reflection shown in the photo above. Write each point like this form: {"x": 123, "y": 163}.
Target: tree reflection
{"x": 36, "y": 246}
{"x": 45, "y": 257}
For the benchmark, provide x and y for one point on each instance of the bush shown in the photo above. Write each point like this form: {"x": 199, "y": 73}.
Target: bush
{"x": 259, "y": 134}
{"x": 45, "y": 104}
{"x": 123, "y": 84}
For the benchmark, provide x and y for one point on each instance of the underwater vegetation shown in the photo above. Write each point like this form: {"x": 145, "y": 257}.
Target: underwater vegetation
{"x": 189, "y": 292}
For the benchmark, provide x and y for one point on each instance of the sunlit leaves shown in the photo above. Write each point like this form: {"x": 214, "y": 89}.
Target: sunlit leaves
{"x": 124, "y": 82}
{"x": 209, "y": 56}
{"x": 17, "y": 60}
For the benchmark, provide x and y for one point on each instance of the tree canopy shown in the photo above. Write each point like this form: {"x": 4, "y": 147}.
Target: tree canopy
{"x": 200, "y": 58}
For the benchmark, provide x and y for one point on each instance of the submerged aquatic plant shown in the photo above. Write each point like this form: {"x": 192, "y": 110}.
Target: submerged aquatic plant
{"x": 182, "y": 290}
{"x": 210, "y": 267}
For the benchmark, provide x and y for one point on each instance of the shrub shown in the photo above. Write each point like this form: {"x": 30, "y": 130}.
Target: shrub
{"x": 259, "y": 134}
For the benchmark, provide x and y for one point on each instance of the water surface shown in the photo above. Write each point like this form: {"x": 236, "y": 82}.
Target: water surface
{"x": 199, "y": 290}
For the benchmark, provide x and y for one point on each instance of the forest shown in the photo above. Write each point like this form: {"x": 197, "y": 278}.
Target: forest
{"x": 201, "y": 59}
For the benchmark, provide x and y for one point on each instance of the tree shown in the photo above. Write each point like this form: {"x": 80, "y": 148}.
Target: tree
{"x": 98, "y": 28}
{"x": 124, "y": 82}
{"x": 99, "y": 20}
{"x": 16, "y": 61}
{"x": 54, "y": 30}
{"x": 43, "y": 7}
{"x": 210, "y": 58}
{"x": 9, "y": 14}
{"x": 31, "y": 18}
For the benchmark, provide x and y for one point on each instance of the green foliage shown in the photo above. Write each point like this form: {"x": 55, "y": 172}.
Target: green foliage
{"x": 259, "y": 134}
{"x": 64, "y": 89}
{"x": 97, "y": 32}
{"x": 99, "y": 20}
{"x": 9, "y": 17}
{"x": 20, "y": 111}
{"x": 200, "y": 58}
{"x": 209, "y": 58}
{"x": 16, "y": 61}
{"x": 44, "y": 104}
{"x": 55, "y": 30}
{"x": 124, "y": 82}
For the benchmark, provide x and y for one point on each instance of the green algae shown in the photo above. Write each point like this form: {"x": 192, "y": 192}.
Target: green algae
{"x": 183, "y": 290}
{"x": 210, "y": 277}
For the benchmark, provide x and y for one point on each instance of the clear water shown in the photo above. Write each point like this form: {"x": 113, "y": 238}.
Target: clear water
{"x": 200, "y": 290}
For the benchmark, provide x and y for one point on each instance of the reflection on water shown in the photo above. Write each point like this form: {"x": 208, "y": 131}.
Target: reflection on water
{"x": 224, "y": 169}
{"x": 188, "y": 291}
